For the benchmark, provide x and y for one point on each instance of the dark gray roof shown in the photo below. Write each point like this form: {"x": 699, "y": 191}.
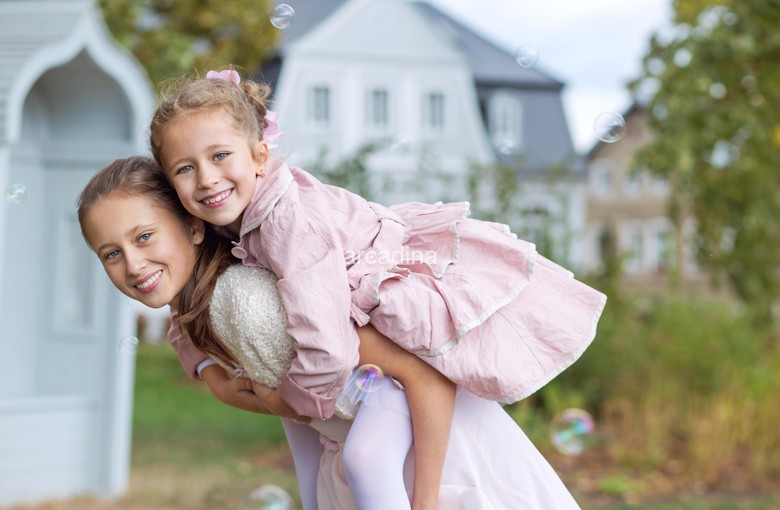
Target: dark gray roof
{"x": 308, "y": 14}
{"x": 489, "y": 63}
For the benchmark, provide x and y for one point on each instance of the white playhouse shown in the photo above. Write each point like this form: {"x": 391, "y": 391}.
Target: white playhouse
{"x": 70, "y": 102}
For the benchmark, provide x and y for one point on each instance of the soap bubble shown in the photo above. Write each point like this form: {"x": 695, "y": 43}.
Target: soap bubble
{"x": 269, "y": 497}
{"x": 399, "y": 143}
{"x": 506, "y": 146}
{"x": 718, "y": 91}
{"x": 16, "y": 193}
{"x": 526, "y": 56}
{"x": 572, "y": 431}
{"x": 368, "y": 377}
{"x": 282, "y": 16}
{"x": 364, "y": 380}
{"x": 128, "y": 345}
{"x": 283, "y": 147}
{"x": 609, "y": 127}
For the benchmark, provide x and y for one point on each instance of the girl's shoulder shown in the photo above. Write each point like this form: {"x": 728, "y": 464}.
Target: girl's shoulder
{"x": 238, "y": 280}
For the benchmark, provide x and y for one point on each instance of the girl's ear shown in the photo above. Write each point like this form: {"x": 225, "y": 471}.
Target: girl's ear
{"x": 197, "y": 230}
{"x": 260, "y": 155}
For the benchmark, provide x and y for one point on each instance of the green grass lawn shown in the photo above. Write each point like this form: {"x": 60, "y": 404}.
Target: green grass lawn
{"x": 192, "y": 452}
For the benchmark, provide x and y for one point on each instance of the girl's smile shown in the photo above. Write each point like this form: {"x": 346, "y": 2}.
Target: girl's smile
{"x": 218, "y": 199}
{"x": 148, "y": 284}
{"x": 147, "y": 251}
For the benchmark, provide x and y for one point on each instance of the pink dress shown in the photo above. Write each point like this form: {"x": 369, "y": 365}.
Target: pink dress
{"x": 475, "y": 302}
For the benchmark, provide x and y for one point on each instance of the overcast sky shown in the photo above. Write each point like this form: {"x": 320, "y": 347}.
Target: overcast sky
{"x": 594, "y": 46}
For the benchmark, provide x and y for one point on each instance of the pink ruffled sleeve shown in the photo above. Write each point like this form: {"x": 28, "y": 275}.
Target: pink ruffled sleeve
{"x": 307, "y": 256}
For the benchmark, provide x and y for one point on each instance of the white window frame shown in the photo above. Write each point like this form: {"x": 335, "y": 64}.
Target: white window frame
{"x": 661, "y": 247}
{"x": 632, "y": 247}
{"x": 434, "y": 116}
{"x": 319, "y": 105}
{"x": 378, "y": 109}
{"x": 659, "y": 184}
{"x": 505, "y": 121}
{"x": 602, "y": 178}
{"x": 632, "y": 182}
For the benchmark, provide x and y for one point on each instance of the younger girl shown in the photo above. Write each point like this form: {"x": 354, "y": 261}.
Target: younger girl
{"x": 156, "y": 253}
{"x": 472, "y": 300}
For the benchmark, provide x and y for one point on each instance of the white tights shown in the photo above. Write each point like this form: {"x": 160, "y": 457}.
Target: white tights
{"x": 374, "y": 452}
{"x": 376, "y": 448}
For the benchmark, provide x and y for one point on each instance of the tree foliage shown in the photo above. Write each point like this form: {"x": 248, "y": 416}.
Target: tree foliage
{"x": 715, "y": 112}
{"x": 172, "y": 37}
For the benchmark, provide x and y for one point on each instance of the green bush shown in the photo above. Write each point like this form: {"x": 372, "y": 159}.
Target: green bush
{"x": 679, "y": 380}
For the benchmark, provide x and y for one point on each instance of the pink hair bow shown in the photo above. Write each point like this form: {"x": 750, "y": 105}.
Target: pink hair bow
{"x": 271, "y": 131}
{"x": 227, "y": 75}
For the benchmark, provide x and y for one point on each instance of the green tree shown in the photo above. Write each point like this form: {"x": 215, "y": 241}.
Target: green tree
{"x": 172, "y": 37}
{"x": 714, "y": 108}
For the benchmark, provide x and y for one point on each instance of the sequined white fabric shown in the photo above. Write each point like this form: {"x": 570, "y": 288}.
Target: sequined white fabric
{"x": 249, "y": 317}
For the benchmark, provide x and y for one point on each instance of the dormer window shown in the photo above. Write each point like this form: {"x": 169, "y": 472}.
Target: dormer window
{"x": 505, "y": 117}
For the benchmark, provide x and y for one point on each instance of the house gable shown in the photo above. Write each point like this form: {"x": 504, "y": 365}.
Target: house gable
{"x": 377, "y": 29}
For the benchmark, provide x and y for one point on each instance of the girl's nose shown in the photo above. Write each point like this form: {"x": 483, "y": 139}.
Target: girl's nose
{"x": 135, "y": 263}
{"x": 207, "y": 177}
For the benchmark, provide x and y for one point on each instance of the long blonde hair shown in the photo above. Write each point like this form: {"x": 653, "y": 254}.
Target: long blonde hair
{"x": 141, "y": 176}
{"x": 244, "y": 102}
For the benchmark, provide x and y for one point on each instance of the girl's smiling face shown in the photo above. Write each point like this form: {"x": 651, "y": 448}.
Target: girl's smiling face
{"x": 147, "y": 250}
{"x": 212, "y": 166}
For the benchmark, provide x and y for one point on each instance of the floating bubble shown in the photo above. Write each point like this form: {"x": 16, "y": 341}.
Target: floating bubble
{"x": 609, "y": 127}
{"x": 368, "y": 377}
{"x": 128, "y": 345}
{"x": 282, "y": 16}
{"x": 749, "y": 82}
{"x": 16, "y": 193}
{"x": 269, "y": 497}
{"x": 399, "y": 143}
{"x": 572, "y": 431}
{"x": 682, "y": 57}
{"x": 364, "y": 380}
{"x": 660, "y": 111}
{"x": 283, "y": 147}
{"x": 526, "y": 56}
{"x": 506, "y": 146}
{"x": 717, "y": 91}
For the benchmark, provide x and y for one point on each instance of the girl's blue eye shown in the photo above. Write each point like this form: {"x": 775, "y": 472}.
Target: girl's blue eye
{"x": 183, "y": 169}
{"x": 145, "y": 236}
{"x": 220, "y": 156}
{"x": 111, "y": 255}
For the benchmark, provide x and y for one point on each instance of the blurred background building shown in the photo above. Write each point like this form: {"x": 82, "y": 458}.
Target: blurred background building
{"x": 70, "y": 102}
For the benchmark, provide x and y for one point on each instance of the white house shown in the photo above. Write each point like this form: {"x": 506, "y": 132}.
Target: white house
{"x": 373, "y": 70}
{"x": 348, "y": 72}
{"x": 70, "y": 102}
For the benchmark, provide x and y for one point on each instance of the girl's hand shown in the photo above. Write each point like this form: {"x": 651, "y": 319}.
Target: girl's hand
{"x": 236, "y": 392}
{"x": 275, "y": 404}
